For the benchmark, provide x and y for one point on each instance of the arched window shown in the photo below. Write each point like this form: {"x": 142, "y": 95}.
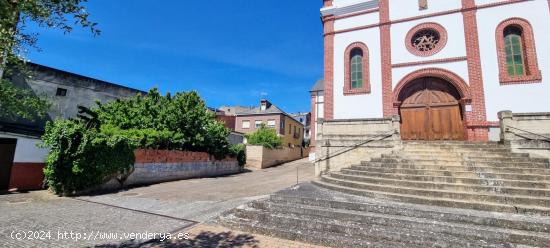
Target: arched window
{"x": 517, "y": 58}
{"x": 356, "y": 68}
{"x": 356, "y": 79}
{"x": 513, "y": 46}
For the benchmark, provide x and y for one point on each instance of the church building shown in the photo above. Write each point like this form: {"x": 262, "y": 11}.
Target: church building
{"x": 445, "y": 67}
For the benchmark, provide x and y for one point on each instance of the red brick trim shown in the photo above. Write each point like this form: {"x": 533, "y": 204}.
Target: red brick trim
{"x": 366, "y": 89}
{"x": 364, "y": 12}
{"x": 171, "y": 156}
{"x": 430, "y": 62}
{"x": 483, "y": 124}
{"x": 27, "y": 176}
{"x": 446, "y": 75}
{"x": 385, "y": 53}
{"x": 475, "y": 78}
{"x": 313, "y": 119}
{"x": 448, "y": 12}
{"x": 532, "y": 72}
{"x": 428, "y": 25}
{"x": 328, "y": 29}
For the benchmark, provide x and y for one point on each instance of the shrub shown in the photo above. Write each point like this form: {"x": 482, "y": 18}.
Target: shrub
{"x": 99, "y": 147}
{"x": 81, "y": 158}
{"x": 239, "y": 151}
{"x": 180, "y": 122}
{"x": 266, "y": 137}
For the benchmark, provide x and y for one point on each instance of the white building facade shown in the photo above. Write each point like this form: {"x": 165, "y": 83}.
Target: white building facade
{"x": 446, "y": 67}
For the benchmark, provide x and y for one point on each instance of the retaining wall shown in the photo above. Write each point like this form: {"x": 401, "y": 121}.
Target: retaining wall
{"x": 526, "y": 132}
{"x": 260, "y": 157}
{"x": 336, "y": 136}
{"x": 156, "y": 166}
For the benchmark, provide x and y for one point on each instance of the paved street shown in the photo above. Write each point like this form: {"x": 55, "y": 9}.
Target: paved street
{"x": 171, "y": 207}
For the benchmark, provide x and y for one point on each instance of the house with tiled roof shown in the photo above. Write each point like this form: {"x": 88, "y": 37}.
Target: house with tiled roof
{"x": 289, "y": 129}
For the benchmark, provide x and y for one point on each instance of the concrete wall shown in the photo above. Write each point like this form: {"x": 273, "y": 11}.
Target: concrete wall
{"x": 156, "y": 166}
{"x": 343, "y": 143}
{"x": 28, "y": 163}
{"x": 526, "y": 132}
{"x": 260, "y": 157}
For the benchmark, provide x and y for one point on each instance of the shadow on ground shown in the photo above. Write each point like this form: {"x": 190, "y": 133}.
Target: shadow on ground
{"x": 204, "y": 240}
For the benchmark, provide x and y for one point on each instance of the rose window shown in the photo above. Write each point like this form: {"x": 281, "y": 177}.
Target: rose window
{"x": 425, "y": 40}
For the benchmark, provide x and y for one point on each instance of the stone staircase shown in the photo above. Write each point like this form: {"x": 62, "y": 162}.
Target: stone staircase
{"x": 427, "y": 194}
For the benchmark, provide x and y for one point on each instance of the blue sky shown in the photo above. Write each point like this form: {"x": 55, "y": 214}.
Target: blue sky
{"x": 231, "y": 52}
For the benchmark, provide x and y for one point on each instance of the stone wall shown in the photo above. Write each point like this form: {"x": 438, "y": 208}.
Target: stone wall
{"x": 526, "y": 132}
{"x": 260, "y": 157}
{"x": 342, "y": 143}
{"x": 156, "y": 166}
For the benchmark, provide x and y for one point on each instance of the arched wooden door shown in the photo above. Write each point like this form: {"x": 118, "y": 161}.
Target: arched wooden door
{"x": 431, "y": 111}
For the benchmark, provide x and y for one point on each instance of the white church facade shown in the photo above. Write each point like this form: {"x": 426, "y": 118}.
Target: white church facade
{"x": 446, "y": 67}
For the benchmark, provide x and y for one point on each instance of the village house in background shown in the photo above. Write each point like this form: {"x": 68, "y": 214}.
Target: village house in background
{"x": 317, "y": 110}
{"x": 305, "y": 119}
{"x": 290, "y": 130}
{"x": 21, "y": 161}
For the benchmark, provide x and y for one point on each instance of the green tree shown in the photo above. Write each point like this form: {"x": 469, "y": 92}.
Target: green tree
{"x": 180, "y": 122}
{"x": 14, "y": 41}
{"x": 266, "y": 137}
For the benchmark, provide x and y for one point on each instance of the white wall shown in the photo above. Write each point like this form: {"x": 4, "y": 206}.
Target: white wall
{"x": 26, "y": 150}
{"x": 361, "y": 20}
{"x": 521, "y": 97}
{"x": 358, "y": 106}
{"x": 518, "y": 98}
{"x": 400, "y": 9}
{"x": 460, "y": 68}
{"x": 455, "y": 46}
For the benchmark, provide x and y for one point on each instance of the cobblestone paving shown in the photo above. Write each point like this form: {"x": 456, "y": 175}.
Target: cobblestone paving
{"x": 202, "y": 199}
{"x": 182, "y": 202}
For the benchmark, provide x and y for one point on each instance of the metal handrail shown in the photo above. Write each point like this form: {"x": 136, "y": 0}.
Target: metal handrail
{"x": 547, "y": 139}
{"x": 353, "y": 147}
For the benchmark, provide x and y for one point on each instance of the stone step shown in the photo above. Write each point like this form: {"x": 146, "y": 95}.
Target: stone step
{"x": 453, "y": 179}
{"x": 462, "y": 231}
{"x": 369, "y": 235}
{"x": 453, "y": 168}
{"x": 413, "y": 234}
{"x": 454, "y": 155}
{"x": 450, "y": 159}
{"x": 307, "y": 236}
{"x": 463, "y": 173}
{"x": 438, "y": 201}
{"x": 460, "y": 187}
{"x": 533, "y": 223}
{"x": 453, "y": 147}
{"x": 451, "y": 143}
{"x": 434, "y": 193}
{"x": 519, "y": 165}
{"x": 457, "y": 150}
{"x": 458, "y": 163}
